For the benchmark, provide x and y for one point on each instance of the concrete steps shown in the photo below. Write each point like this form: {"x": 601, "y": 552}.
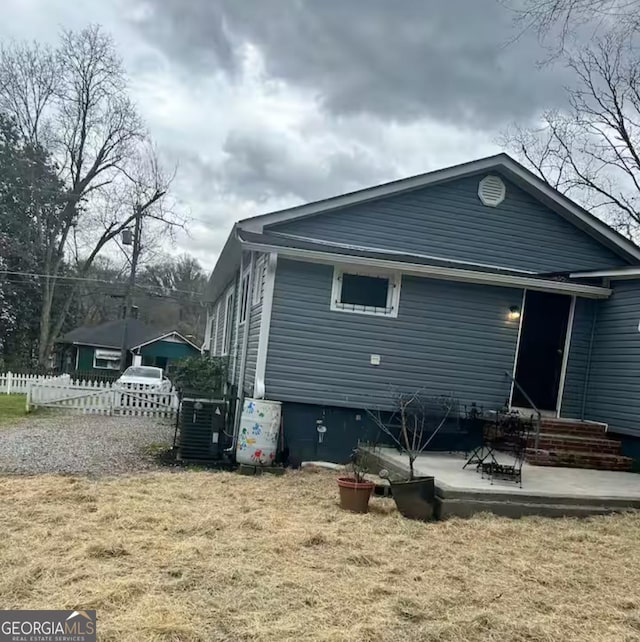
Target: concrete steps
{"x": 576, "y": 444}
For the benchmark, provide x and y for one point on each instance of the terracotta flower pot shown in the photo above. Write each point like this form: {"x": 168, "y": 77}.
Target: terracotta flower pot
{"x": 354, "y": 495}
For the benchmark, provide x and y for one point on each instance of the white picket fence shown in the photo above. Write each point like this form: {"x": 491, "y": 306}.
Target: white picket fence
{"x": 103, "y": 398}
{"x": 11, "y": 382}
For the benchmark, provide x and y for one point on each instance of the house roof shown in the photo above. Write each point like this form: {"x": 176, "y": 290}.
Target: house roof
{"x": 511, "y": 169}
{"x": 417, "y": 264}
{"x": 109, "y": 335}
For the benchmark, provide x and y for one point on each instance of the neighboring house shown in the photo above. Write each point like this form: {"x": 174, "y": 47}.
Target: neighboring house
{"x": 96, "y": 349}
{"x": 454, "y": 282}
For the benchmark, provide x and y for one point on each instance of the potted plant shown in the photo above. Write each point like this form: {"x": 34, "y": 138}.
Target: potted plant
{"x": 412, "y": 427}
{"x": 355, "y": 490}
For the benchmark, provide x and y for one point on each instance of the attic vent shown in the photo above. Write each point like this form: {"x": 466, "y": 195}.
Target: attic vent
{"x": 491, "y": 190}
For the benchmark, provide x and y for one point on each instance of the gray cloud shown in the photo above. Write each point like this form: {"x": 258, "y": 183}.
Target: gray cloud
{"x": 350, "y": 93}
{"x": 266, "y": 164}
{"x": 399, "y": 60}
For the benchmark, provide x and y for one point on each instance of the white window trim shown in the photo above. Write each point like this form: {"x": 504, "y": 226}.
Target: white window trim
{"x": 258, "y": 280}
{"x": 115, "y": 360}
{"x": 214, "y": 349}
{"x": 393, "y": 293}
{"x": 244, "y": 303}
{"x": 206, "y": 344}
{"x": 224, "y": 349}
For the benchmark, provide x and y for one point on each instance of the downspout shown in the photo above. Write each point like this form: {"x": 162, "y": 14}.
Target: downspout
{"x": 243, "y": 356}
{"x": 259, "y": 387}
{"x": 587, "y": 374}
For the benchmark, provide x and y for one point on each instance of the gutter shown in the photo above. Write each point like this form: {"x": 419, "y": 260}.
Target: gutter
{"x": 455, "y": 274}
{"x": 628, "y": 272}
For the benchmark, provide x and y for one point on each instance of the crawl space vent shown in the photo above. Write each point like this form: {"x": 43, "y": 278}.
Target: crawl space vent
{"x": 491, "y": 190}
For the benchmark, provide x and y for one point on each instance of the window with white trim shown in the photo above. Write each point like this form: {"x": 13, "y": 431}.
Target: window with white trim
{"x": 258, "y": 280}
{"x": 106, "y": 359}
{"x": 209, "y": 336}
{"x": 228, "y": 323}
{"x": 365, "y": 292}
{"x": 244, "y": 296}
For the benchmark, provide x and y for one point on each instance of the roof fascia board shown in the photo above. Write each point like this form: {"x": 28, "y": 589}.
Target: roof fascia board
{"x": 164, "y": 336}
{"x": 224, "y": 269}
{"x": 454, "y": 274}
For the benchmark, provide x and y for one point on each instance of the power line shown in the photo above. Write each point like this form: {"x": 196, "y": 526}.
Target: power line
{"x": 140, "y": 291}
{"x": 92, "y": 280}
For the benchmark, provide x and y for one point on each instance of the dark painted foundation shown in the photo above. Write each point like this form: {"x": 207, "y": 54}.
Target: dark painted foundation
{"x": 630, "y": 447}
{"x": 345, "y": 427}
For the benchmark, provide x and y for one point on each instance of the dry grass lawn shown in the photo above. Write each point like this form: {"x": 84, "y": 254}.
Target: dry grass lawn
{"x": 215, "y": 556}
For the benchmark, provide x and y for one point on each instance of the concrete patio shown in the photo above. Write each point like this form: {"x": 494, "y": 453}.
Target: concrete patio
{"x": 545, "y": 491}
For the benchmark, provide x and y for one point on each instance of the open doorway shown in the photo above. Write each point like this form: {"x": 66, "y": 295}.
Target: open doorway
{"x": 541, "y": 359}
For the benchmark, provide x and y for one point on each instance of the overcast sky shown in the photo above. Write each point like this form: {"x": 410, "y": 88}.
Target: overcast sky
{"x": 264, "y": 104}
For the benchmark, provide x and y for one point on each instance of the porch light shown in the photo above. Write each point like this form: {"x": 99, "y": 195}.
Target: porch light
{"x": 514, "y": 313}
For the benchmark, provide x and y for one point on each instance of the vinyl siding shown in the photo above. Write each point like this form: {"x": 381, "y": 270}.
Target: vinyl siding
{"x": 448, "y": 338}
{"x": 614, "y": 381}
{"x": 450, "y": 221}
{"x": 237, "y": 334}
{"x": 236, "y": 339}
{"x": 219, "y": 308}
{"x": 577, "y": 364}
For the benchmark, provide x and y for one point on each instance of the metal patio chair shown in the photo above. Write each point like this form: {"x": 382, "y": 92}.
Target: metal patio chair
{"x": 508, "y": 437}
{"x": 476, "y": 443}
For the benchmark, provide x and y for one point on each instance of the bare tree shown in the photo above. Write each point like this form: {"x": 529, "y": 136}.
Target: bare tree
{"x": 74, "y": 100}
{"x": 557, "y": 22}
{"x": 415, "y": 421}
{"x": 591, "y": 150}
{"x": 29, "y": 79}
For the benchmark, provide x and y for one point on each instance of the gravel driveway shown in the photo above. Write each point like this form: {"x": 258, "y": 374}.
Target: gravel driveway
{"x": 89, "y": 444}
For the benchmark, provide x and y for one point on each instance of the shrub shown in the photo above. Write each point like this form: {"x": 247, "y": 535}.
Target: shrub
{"x": 205, "y": 375}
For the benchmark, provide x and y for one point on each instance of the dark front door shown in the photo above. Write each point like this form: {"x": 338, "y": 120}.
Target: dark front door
{"x": 541, "y": 350}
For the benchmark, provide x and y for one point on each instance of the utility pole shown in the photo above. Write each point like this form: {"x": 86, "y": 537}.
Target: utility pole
{"x": 128, "y": 297}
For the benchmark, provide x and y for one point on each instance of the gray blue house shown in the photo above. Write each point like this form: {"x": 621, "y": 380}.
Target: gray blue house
{"x": 456, "y": 282}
